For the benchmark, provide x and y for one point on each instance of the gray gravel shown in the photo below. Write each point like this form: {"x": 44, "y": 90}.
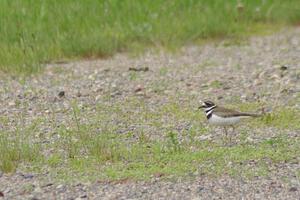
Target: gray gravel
{"x": 265, "y": 68}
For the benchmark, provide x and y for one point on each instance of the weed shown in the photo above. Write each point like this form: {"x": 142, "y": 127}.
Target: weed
{"x": 173, "y": 144}
{"x": 15, "y": 150}
{"x": 216, "y": 84}
{"x": 163, "y": 71}
{"x": 133, "y": 76}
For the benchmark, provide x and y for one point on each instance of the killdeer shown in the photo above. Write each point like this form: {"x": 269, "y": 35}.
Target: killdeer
{"x": 224, "y": 117}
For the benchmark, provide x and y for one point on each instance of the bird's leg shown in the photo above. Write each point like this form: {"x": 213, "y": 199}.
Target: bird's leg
{"x": 233, "y": 129}
{"x": 226, "y": 133}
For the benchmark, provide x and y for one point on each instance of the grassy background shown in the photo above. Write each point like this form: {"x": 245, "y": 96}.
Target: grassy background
{"x": 35, "y": 31}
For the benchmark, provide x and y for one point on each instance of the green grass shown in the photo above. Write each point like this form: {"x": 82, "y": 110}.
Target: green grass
{"x": 94, "y": 147}
{"x": 33, "y": 32}
{"x": 282, "y": 118}
{"x": 110, "y": 157}
{"x": 15, "y": 150}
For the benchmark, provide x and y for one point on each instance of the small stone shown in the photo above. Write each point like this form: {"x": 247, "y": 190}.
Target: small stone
{"x": 1, "y": 194}
{"x": 91, "y": 77}
{"x": 257, "y": 82}
{"x": 61, "y": 188}
{"x": 11, "y": 103}
{"x": 243, "y": 96}
{"x": 84, "y": 93}
{"x": 283, "y": 67}
{"x": 38, "y": 190}
{"x": 61, "y": 94}
{"x": 204, "y": 86}
{"x": 159, "y": 174}
{"x": 33, "y": 98}
{"x": 205, "y": 137}
{"x": 275, "y": 76}
{"x": 48, "y": 184}
{"x": 139, "y": 69}
{"x": 78, "y": 94}
{"x": 138, "y": 88}
{"x": 261, "y": 75}
{"x": 116, "y": 93}
{"x": 293, "y": 189}
{"x": 98, "y": 97}
{"x": 97, "y": 90}
{"x": 200, "y": 189}
{"x": 8, "y": 190}
{"x": 114, "y": 85}
{"x": 27, "y": 176}
{"x": 226, "y": 88}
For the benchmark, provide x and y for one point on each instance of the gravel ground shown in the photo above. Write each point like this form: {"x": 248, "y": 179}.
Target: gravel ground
{"x": 265, "y": 68}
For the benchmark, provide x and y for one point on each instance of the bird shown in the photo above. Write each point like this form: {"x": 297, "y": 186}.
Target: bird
{"x": 224, "y": 117}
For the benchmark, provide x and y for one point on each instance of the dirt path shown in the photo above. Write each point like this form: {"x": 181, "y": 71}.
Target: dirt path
{"x": 264, "y": 68}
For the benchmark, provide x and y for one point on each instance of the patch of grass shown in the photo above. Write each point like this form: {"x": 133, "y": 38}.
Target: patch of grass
{"x": 54, "y": 160}
{"x": 104, "y": 146}
{"x": 15, "y": 150}
{"x": 159, "y": 87}
{"x": 133, "y": 76}
{"x": 280, "y": 117}
{"x": 216, "y": 84}
{"x": 283, "y": 118}
{"x": 163, "y": 71}
{"x": 143, "y": 161}
{"x": 94, "y": 151}
{"x": 34, "y": 32}
{"x": 205, "y": 64}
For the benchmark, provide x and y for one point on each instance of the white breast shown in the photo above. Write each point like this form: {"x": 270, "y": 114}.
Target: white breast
{"x": 220, "y": 121}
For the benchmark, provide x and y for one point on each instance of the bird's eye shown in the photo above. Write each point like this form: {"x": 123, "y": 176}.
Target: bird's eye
{"x": 208, "y": 104}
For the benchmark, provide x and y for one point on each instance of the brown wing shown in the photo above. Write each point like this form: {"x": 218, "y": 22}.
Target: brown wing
{"x": 225, "y": 112}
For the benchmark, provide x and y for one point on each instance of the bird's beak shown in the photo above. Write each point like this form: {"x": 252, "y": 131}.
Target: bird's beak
{"x": 200, "y": 107}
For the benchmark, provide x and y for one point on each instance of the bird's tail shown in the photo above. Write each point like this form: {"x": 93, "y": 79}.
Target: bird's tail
{"x": 251, "y": 114}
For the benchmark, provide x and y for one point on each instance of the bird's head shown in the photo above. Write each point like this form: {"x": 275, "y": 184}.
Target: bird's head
{"x": 206, "y": 104}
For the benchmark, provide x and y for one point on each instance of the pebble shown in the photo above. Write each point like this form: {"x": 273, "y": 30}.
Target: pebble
{"x": 205, "y": 137}
{"x": 60, "y": 187}
{"x": 38, "y": 189}
{"x": 139, "y": 69}
{"x": 61, "y": 94}
{"x": 293, "y": 189}
{"x": 284, "y": 67}
{"x": 138, "y": 88}
{"x": 48, "y": 184}
{"x": 28, "y": 176}
{"x": 11, "y": 103}
{"x": 116, "y": 93}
